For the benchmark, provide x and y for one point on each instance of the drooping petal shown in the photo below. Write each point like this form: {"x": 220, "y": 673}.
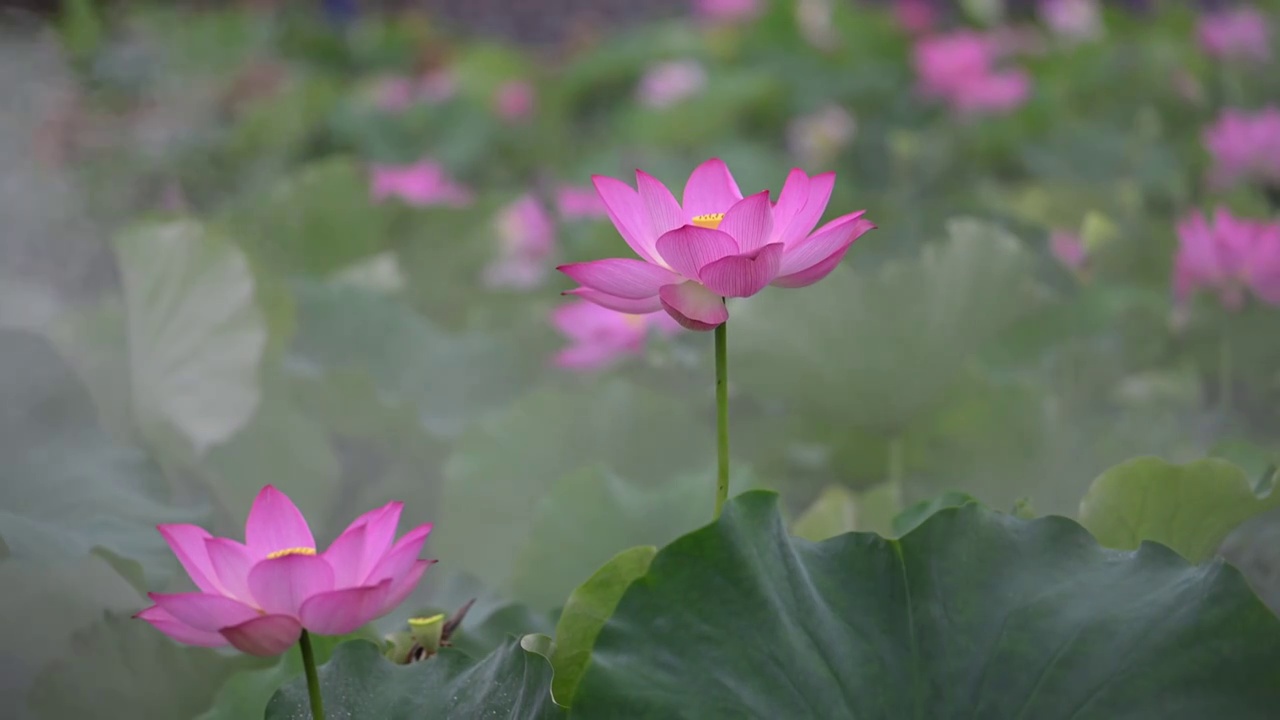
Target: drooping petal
{"x": 339, "y": 612}
{"x": 792, "y": 199}
{"x": 166, "y": 623}
{"x": 743, "y": 275}
{"x": 345, "y": 556}
{"x": 265, "y": 635}
{"x": 820, "y": 187}
{"x": 660, "y": 205}
{"x": 621, "y": 277}
{"x": 231, "y": 562}
{"x": 634, "y": 306}
{"x": 187, "y": 542}
{"x": 401, "y": 556}
{"x": 275, "y": 523}
{"x": 693, "y": 306}
{"x": 627, "y": 212}
{"x": 203, "y": 611}
{"x": 749, "y": 222}
{"x": 688, "y": 249}
{"x": 404, "y": 585}
{"x": 281, "y": 585}
{"x": 830, "y": 239}
{"x": 710, "y": 189}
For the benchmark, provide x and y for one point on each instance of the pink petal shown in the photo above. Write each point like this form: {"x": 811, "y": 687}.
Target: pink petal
{"x": 812, "y": 274}
{"x": 587, "y": 357}
{"x": 187, "y": 542}
{"x": 792, "y": 199}
{"x": 202, "y": 611}
{"x": 380, "y": 531}
{"x": 710, "y": 189}
{"x": 742, "y": 275}
{"x": 275, "y": 523}
{"x": 404, "y": 585}
{"x": 749, "y": 222}
{"x": 634, "y": 306}
{"x": 688, "y": 249}
{"x": 693, "y": 306}
{"x": 339, "y": 612}
{"x": 401, "y": 556}
{"x": 265, "y": 635}
{"x": 231, "y": 562}
{"x": 166, "y": 623}
{"x": 345, "y": 556}
{"x": 281, "y": 585}
{"x": 820, "y": 187}
{"x": 621, "y": 277}
{"x": 627, "y": 212}
{"x": 830, "y": 239}
{"x": 660, "y": 205}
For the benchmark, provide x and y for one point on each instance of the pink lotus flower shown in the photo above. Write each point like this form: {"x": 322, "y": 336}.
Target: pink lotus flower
{"x": 1239, "y": 34}
{"x": 574, "y": 203}
{"x": 713, "y": 245}
{"x": 668, "y": 83}
{"x": 599, "y": 337}
{"x": 1068, "y": 249}
{"x": 259, "y": 596}
{"x": 727, "y": 11}
{"x": 1229, "y": 256}
{"x": 917, "y": 17}
{"x": 959, "y": 68}
{"x": 1074, "y": 20}
{"x": 423, "y": 183}
{"x": 1245, "y": 146}
{"x": 527, "y": 241}
{"x": 514, "y": 101}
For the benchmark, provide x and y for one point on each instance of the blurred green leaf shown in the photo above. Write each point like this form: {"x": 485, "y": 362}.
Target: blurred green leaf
{"x": 834, "y": 512}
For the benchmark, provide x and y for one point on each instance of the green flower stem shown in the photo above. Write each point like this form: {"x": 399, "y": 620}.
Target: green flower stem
{"x": 897, "y": 469}
{"x": 722, "y": 416}
{"x": 313, "y": 678}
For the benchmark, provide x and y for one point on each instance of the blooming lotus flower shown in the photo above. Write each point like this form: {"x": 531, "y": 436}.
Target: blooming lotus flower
{"x": 714, "y": 244}
{"x": 527, "y": 240}
{"x": 575, "y": 203}
{"x": 514, "y": 101}
{"x": 600, "y": 337}
{"x": 259, "y": 595}
{"x": 423, "y": 183}
{"x": 1245, "y": 146}
{"x": 1229, "y": 256}
{"x": 668, "y": 83}
{"x": 1239, "y": 34}
{"x": 726, "y": 11}
{"x": 959, "y": 68}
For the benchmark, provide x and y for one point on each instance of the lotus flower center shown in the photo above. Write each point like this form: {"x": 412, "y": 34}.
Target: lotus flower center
{"x": 291, "y": 551}
{"x": 711, "y": 222}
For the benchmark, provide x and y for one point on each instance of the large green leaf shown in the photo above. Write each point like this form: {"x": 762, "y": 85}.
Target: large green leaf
{"x": 196, "y": 334}
{"x": 1191, "y": 508}
{"x": 972, "y": 614}
{"x": 899, "y": 335}
{"x": 358, "y": 682}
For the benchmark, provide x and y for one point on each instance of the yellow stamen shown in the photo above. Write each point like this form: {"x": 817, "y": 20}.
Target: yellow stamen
{"x": 418, "y": 622}
{"x": 710, "y": 222}
{"x": 291, "y": 551}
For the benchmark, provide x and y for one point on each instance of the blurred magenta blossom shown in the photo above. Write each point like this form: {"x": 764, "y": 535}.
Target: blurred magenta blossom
{"x": 1237, "y": 34}
{"x": 514, "y": 100}
{"x": 422, "y": 184}
{"x": 259, "y": 595}
{"x": 1245, "y": 146}
{"x": 526, "y": 243}
{"x": 959, "y": 68}
{"x": 817, "y": 138}
{"x": 599, "y": 337}
{"x": 397, "y": 94}
{"x": 575, "y": 203}
{"x": 667, "y": 83}
{"x": 917, "y": 17}
{"x": 1229, "y": 256}
{"x": 1075, "y": 20}
{"x": 714, "y": 244}
{"x": 1069, "y": 249}
{"x": 725, "y": 11}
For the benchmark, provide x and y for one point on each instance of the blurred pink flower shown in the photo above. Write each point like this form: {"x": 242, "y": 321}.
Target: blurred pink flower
{"x": 726, "y": 11}
{"x": 917, "y": 17}
{"x": 599, "y": 337}
{"x": 423, "y": 183}
{"x": 1244, "y": 146}
{"x": 1238, "y": 34}
{"x": 817, "y": 138}
{"x": 668, "y": 83}
{"x": 258, "y": 596}
{"x": 526, "y": 243}
{"x": 1068, "y": 249}
{"x": 397, "y": 94}
{"x": 1228, "y": 255}
{"x": 575, "y": 203}
{"x": 713, "y": 245}
{"x": 1072, "y": 19}
{"x": 959, "y": 68}
{"x": 514, "y": 100}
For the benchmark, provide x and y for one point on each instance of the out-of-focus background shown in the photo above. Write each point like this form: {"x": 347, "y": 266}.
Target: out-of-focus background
{"x": 313, "y": 244}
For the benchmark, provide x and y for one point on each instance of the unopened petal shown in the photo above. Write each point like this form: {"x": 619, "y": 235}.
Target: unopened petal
{"x": 339, "y": 612}
{"x": 711, "y": 189}
{"x": 275, "y": 524}
{"x": 621, "y": 277}
{"x": 688, "y": 249}
{"x": 742, "y": 275}
{"x": 265, "y": 635}
{"x": 203, "y": 611}
{"x": 282, "y": 584}
{"x": 749, "y": 222}
{"x": 694, "y": 306}
{"x": 634, "y": 306}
